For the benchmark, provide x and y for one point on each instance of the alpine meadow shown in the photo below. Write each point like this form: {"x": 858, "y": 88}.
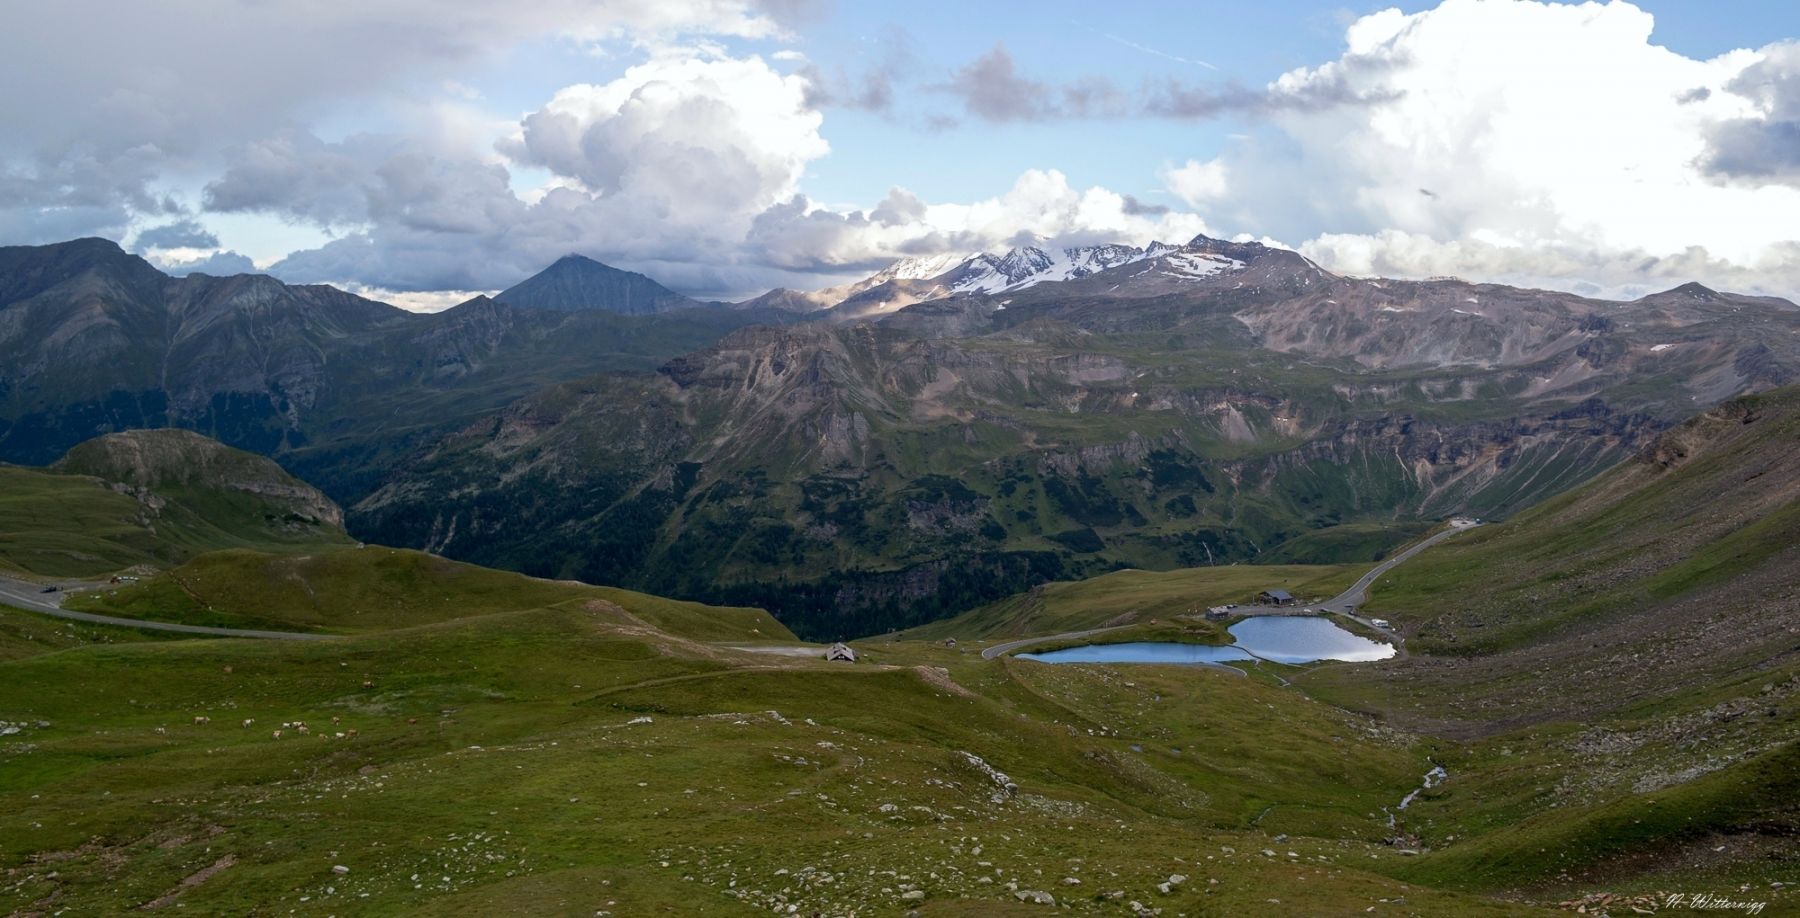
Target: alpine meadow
{"x": 736, "y": 457}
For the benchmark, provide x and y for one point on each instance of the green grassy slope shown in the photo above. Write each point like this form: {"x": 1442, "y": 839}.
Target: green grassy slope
{"x": 369, "y": 589}
{"x": 26, "y": 634}
{"x": 555, "y": 761}
{"x": 155, "y": 498}
{"x": 1623, "y": 660}
{"x": 65, "y": 525}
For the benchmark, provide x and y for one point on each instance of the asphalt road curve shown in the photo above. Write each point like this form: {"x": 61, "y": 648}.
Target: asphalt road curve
{"x": 30, "y": 596}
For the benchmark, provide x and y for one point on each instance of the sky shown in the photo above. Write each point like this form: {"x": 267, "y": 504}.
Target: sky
{"x": 423, "y": 150}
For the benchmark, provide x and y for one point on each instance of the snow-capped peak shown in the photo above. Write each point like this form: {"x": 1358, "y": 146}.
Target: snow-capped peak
{"x": 1028, "y": 266}
{"x": 922, "y": 267}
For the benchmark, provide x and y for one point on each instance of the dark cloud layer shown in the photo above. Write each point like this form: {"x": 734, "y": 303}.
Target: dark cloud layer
{"x": 991, "y": 88}
{"x": 182, "y": 234}
{"x": 1765, "y": 148}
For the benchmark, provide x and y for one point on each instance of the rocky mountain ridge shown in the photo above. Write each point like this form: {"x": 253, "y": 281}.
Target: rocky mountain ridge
{"x": 1157, "y": 407}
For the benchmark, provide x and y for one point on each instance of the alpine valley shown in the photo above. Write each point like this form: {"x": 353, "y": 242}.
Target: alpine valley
{"x": 536, "y": 643}
{"x": 874, "y": 456}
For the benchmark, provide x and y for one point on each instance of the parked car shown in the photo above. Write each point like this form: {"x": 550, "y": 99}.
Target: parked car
{"x": 50, "y": 589}
{"x": 1379, "y": 622}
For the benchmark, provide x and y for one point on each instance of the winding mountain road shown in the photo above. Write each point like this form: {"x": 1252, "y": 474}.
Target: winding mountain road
{"x": 1343, "y": 603}
{"x": 30, "y": 597}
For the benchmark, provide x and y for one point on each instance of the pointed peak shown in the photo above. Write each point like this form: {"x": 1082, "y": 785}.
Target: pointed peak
{"x": 576, "y": 282}
{"x": 478, "y": 301}
{"x": 578, "y": 260}
{"x": 1695, "y": 290}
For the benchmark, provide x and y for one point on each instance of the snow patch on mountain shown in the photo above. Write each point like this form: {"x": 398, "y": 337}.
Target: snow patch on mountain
{"x": 922, "y": 267}
{"x": 1198, "y": 264}
{"x": 1028, "y": 266}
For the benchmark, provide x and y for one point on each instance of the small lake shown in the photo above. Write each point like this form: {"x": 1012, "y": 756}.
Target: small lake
{"x": 1278, "y": 638}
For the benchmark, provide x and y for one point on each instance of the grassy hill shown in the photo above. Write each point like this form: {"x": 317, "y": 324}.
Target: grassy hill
{"x": 153, "y": 498}
{"x": 372, "y": 589}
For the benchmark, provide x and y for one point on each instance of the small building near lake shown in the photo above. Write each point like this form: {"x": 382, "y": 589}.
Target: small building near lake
{"x": 1276, "y": 598}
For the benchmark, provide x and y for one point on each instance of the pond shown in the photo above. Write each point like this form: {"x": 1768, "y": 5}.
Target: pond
{"x": 1277, "y": 638}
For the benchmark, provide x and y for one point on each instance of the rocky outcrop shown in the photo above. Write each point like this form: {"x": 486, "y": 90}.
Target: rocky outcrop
{"x": 152, "y": 463}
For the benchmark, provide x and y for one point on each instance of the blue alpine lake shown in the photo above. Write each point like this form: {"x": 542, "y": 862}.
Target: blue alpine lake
{"x": 1277, "y": 638}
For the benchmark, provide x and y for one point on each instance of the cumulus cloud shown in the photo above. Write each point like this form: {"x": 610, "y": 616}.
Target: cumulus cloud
{"x": 1041, "y": 207}
{"x": 187, "y": 73}
{"x": 104, "y": 99}
{"x": 703, "y": 143}
{"x": 1513, "y": 139}
{"x": 685, "y": 168}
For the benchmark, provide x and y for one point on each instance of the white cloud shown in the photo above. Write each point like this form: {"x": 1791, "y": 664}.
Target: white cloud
{"x": 181, "y": 263}
{"x": 1198, "y": 183}
{"x": 1541, "y": 131}
{"x": 418, "y": 300}
{"x": 685, "y": 168}
{"x": 149, "y": 90}
{"x": 705, "y": 143}
{"x": 1040, "y": 207}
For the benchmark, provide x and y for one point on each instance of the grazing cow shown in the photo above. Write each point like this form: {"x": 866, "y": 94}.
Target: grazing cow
{"x": 351, "y": 731}
{"x": 275, "y": 735}
{"x": 249, "y": 721}
{"x": 334, "y": 720}
{"x": 160, "y": 731}
{"x": 302, "y": 730}
{"x": 368, "y": 683}
{"x": 201, "y": 719}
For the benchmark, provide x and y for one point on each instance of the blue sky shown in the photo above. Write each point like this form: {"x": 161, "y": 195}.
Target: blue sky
{"x": 427, "y": 148}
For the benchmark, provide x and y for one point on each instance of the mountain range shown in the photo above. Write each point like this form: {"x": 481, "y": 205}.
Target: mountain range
{"x": 945, "y": 432}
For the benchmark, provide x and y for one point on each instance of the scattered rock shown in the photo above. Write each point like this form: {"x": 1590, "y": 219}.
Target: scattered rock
{"x": 1035, "y": 897}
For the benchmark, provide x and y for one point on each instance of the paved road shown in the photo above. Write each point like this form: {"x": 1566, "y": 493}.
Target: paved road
{"x": 1341, "y": 604}
{"x": 1359, "y": 591}
{"x": 27, "y": 595}
{"x": 1010, "y": 646}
